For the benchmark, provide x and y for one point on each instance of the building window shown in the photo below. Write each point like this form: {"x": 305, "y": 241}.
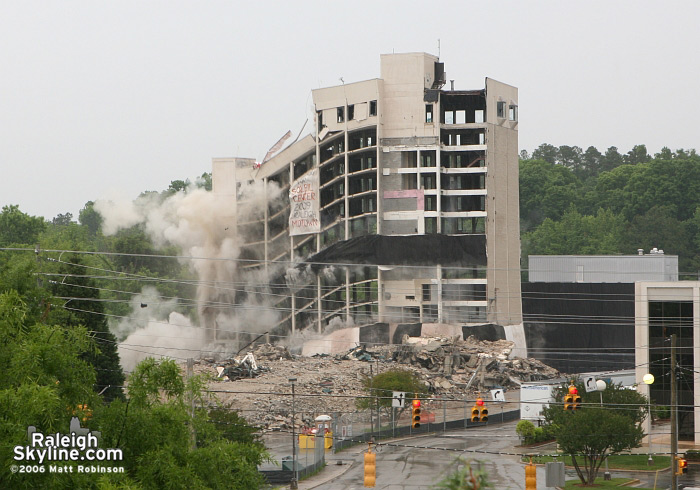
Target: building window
{"x": 319, "y": 115}
{"x": 430, "y": 203}
{"x": 428, "y": 113}
{"x": 501, "y": 109}
{"x": 351, "y": 112}
{"x": 431, "y": 225}
{"x": 513, "y": 112}
{"x": 372, "y": 107}
{"x": 426, "y": 292}
{"x": 341, "y": 114}
{"x": 427, "y": 181}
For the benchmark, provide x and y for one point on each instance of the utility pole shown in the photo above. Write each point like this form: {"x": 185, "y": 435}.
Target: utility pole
{"x": 190, "y": 373}
{"x": 674, "y": 415}
{"x": 379, "y": 417}
{"x": 294, "y": 483}
{"x": 371, "y": 410}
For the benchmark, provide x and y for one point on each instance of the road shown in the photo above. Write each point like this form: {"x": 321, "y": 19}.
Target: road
{"x": 406, "y": 467}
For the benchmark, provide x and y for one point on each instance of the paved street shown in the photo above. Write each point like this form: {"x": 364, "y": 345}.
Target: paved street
{"x": 405, "y": 467}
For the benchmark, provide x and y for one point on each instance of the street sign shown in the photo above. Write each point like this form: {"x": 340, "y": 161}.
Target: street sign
{"x": 498, "y": 395}
{"x": 398, "y": 399}
{"x": 589, "y": 383}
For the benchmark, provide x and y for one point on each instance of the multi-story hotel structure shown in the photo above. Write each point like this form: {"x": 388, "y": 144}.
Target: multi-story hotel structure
{"x": 409, "y": 187}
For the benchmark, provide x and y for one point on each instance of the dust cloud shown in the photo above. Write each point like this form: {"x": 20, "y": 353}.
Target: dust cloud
{"x": 229, "y": 299}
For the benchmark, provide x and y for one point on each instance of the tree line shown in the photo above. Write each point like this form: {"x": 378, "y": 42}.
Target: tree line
{"x": 586, "y": 202}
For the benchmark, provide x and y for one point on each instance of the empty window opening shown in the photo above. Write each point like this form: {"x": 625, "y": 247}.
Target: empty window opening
{"x": 319, "y": 116}
{"x": 409, "y": 181}
{"x": 351, "y": 112}
{"x": 479, "y": 116}
{"x": 482, "y": 139}
{"x": 513, "y": 112}
{"x": 409, "y": 159}
{"x": 341, "y": 114}
{"x": 427, "y": 159}
{"x": 449, "y": 117}
{"x": 426, "y": 292}
{"x": 461, "y": 117}
{"x": 429, "y": 113}
{"x": 501, "y": 109}
{"x": 372, "y": 107}
{"x": 427, "y": 181}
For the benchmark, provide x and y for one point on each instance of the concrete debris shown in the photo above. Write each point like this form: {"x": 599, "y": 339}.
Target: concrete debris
{"x": 451, "y": 367}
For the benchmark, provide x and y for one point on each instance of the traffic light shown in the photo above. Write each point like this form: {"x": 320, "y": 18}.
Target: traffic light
{"x": 415, "y": 414}
{"x": 568, "y": 402}
{"x": 370, "y": 467}
{"x": 577, "y": 401}
{"x": 572, "y": 400}
{"x": 530, "y": 477}
{"x": 484, "y": 415}
{"x": 479, "y": 412}
{"x": 483, "y": 411}
{"x": 682, "y": 466}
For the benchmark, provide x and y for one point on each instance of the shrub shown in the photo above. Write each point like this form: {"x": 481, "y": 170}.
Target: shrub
{"x": 527, "y": 431}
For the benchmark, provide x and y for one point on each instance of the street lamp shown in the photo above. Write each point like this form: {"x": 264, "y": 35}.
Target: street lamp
{"x": 649, "y": 380}
{"x": 601, "y": 385}
{"x": 293, "y": 485}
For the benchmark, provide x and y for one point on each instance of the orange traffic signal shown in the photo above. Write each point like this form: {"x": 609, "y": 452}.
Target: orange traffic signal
{"x": 415, "y": 414}
{"x": 370, "y": 468}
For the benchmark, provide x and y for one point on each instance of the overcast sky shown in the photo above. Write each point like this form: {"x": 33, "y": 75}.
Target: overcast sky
{"x": 105, "y": 97}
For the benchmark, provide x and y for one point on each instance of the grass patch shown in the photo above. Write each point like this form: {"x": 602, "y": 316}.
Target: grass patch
{"x": 599, "y": 482}
{"x": 615, "y": 462}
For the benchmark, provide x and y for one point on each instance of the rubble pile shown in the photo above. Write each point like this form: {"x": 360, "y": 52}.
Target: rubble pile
{"x": 331, "y": 383}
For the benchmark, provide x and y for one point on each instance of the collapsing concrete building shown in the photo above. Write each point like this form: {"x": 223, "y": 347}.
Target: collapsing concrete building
{"x": 403, "y": 202}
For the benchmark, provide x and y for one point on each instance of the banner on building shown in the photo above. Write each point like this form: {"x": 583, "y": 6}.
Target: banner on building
{"x": 304, "y": 205}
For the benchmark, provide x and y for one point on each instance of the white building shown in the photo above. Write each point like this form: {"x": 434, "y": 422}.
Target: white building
{"x": 414, "y": 183}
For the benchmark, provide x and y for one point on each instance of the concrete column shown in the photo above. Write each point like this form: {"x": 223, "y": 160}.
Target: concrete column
{"x": 439, "y": 292}
{"x": 318, "y": 303}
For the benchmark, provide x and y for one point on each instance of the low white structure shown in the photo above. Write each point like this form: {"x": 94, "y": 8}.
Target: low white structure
{"x": 654, "y": 266}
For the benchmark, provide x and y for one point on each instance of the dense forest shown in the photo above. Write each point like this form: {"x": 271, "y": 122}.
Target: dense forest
{"x": 587, "y": 202}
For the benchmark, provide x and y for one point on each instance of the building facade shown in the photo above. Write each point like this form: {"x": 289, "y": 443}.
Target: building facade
{"x": 403, "y": 202}
{"x": 663, "y": 309}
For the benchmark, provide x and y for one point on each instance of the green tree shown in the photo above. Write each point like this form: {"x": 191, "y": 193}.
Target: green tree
{"x": 204, "y": 181}
{"x": 576, "y": 234}
{"x": 90, "y": 218}
{"x": 570, "y": 156}
{"x": 612, "y": 159}
{"x": 638, "y": 154}
{"x": 82, "y": 306}
{"x": 155, "y": 429}
{"x": 591, "y": 161}
{"x": 546, "y": 152}
{"x": 43, "y": 382}
{"x": 546, "y": 191}
{"x": 384, "y": 384}
{"x": 596, "y": 430}
{"x": 63, "y": 219}
{"x": 18, "y": 228}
